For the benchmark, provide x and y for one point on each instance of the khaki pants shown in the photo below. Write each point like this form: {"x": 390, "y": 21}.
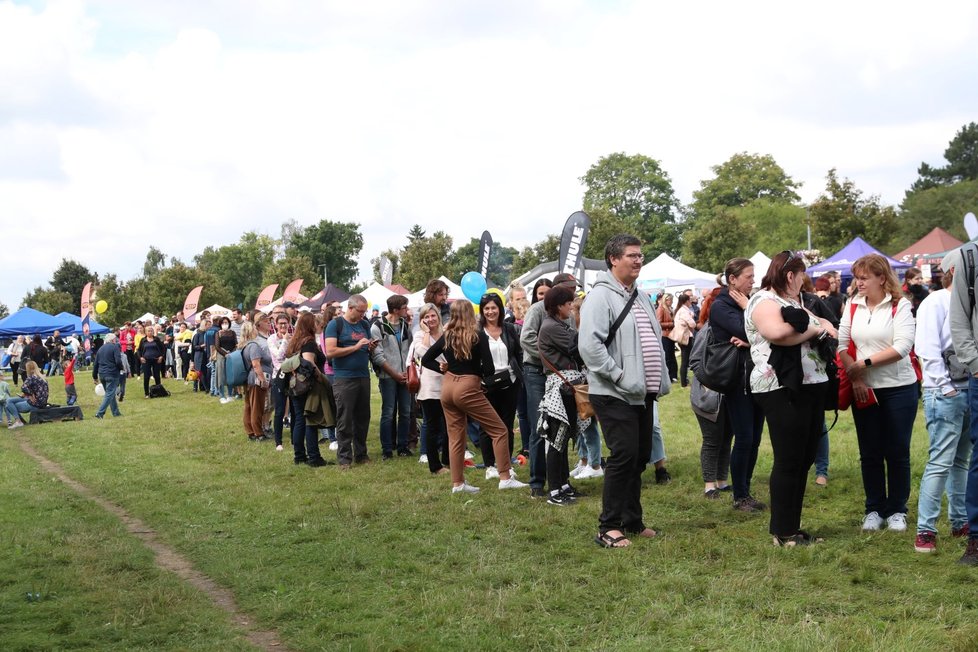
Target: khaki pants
{"x": 254, "y": 409}
{"x": 461, "y": 397}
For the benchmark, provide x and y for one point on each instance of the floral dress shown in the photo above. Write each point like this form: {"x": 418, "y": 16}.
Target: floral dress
{"x": 763, "y": 378}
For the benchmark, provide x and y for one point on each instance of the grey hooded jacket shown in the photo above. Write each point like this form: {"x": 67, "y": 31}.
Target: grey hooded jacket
{"x": 617, "y": 369}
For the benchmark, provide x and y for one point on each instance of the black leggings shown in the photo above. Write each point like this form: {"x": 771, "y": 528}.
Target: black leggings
{"x": 150, "y": 367}
{"x": 503, "y": 401}
{"x": 15, "y": 366}
{"x": 436, "y": 436}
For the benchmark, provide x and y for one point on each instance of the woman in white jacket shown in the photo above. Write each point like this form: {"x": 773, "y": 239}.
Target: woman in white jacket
{"x": 429, "y": 396}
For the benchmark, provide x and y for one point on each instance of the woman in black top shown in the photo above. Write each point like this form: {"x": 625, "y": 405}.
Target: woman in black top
{"x": 305, "y": 439}
{"x": 225, "y": 341}
{"x": 468, "y": 360}
{"x": 557, "y": 343}
{"x": 504, "y": 345}
{"x": 151, "y": 354}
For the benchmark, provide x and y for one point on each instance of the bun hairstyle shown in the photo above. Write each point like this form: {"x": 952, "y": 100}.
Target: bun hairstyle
{"x": 735, "y": 267}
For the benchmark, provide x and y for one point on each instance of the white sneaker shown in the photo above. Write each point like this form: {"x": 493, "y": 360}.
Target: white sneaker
{"x": 491, "y": 472}
{"x": 15, "y": 425}
{"x": 512, "y": 483}
{"x": 334, "y": 445}
{"x": 469, "y": 455}
{"x": 590, "y": 472}
{"x": 279, "y": 447}
{"x": 576, "y": 471}
{"x": 465, "y": 488}
{"x": 423, "y": 459}
{"x": 897, "y": 522}
{"x": 874, "y": 521}
{"x": 225, "y": 401}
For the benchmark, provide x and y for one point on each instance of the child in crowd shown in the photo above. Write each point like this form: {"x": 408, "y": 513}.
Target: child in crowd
{"x": 69, "y": 370}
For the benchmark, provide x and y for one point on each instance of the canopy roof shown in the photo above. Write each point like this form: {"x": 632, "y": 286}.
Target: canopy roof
{"x": 416, "y": 299}
{"x": 376, "y": 296}
{"x": 28, "y": 321}
{"x": 932, "y": 246}
{"x": 94, "y": 328}
{"x": 843, "y": 259}
{"x": 329, "y": 294}
{"x": 665, "y": 271}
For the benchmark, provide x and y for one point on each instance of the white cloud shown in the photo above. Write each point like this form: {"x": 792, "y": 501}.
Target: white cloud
{"x": 182, "y": 124}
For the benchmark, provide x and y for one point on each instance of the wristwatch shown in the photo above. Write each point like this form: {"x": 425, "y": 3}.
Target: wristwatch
{"x": 868, "y": 362}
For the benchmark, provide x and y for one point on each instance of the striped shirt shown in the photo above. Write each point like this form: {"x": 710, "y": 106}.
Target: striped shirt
{"x": 651, "y": 349}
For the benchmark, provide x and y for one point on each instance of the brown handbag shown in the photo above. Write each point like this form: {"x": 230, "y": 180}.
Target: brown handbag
{"x": 584, "y": 408}
{"x": 413, "y": 379}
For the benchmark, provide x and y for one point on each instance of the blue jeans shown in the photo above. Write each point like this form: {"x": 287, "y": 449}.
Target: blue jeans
{"x": 394, "y": 395}
{"x": 822, "y": 453}
{"x": 278, "y": 402}
{"x": 884, "y": 431}
{"x": 747, "y": 422}
{"x": 658, "y": 446}
{"x": 589, "y": 446}
{"x": 947, "y": 464}
{"x": 971, "y": 493}
{"x": 16, "y": 405}
{"x": 108, "y": 401}
{"x": 535, "y": 383}
{"x": 524, "y": 420}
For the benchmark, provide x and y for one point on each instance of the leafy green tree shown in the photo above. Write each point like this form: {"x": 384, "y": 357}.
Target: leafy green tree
{"x": 240, "y": 266}
{"x": 604, "y": 226}
{"x": 466, "y": 259}
{"x": 416, "y": 233}
{"x": 4, "y": 311}
{"x": 426, "y": 258}
{"x": 70, "y": 278}
{"x": 776, "y": 225}
{"x": 962, "y": 162}
{"x": 637, "y": 190}
{"x": 841, "y": 213}
{"x": 285, "y": 270}
{"x": 943, "y": 206}
{"x": 716, "y": 238}
{"x": 394, "y": 256}
{"x": 168, "y": 289}
{"x": 544, "y": 251}
{"x": 50, "y": 301}
{"x": 123, "y": 303}
{"x": 155, "y": 262}
{"x": 742, "y": 179}
{"x": 333, "y": 244}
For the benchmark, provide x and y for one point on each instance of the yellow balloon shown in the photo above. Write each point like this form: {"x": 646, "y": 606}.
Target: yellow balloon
{"x": 499, "y": 293}
{"x": 101, "y": 306}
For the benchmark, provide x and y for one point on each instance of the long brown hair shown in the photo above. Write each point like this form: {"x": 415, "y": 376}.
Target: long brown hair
{"x": 776, "y": 278}
{"x": 305, "y": 331}
{"x": 461, "y": 331}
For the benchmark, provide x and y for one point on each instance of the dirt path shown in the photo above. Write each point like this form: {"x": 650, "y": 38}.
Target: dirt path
{"x": 166, "y": 557}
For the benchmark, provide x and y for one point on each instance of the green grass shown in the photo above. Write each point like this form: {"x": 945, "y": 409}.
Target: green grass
{"x": 384, "y": 557}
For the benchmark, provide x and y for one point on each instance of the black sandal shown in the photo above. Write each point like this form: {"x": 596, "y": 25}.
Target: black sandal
{"x": 607, "y": 541}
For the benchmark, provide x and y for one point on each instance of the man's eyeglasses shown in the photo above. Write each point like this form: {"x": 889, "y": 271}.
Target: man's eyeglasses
{"x": 791, "y": 256}
{"x": 634, "y": 256}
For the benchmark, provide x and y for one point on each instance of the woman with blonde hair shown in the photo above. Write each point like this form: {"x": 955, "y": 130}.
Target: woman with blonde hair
{"x": 429, "y": 396}
{"x": 468, "y": 360}
{"x": 34, "y": 388}
{"x": 879, "y": 321}
{"x": 254, "y": 344}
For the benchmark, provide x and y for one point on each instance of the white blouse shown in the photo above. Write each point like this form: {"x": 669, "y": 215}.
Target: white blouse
{"x": 875, "y": 330}
{"x": 500, "y": 354}
{"x": 430, "y": 380}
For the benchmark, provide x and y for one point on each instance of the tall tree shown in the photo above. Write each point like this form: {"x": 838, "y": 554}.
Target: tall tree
{"x": 333, "y": 244}
{"x": 962, "y": 162}
{"x": 169, "y": 288}
{"x": 49, "y": 301}
{"x": 240, "y": 266}
{"x": 155, "y": 262}
{"x": 841, "y": 212}
{"x": 744, "y": 178}
{"x": 285, "y": 270}
{"x": 637, "y": 190}
{"x": 70, "y": 278}
{"x": 466, "y": 259}
{"x": 604, "y": 225}
{"x": 716, "y": 238}
{"x": 424, "y": 259}
{"x": 943, "y": 206}
{"x": 4, "y": 310}
{"x": 394, "y": 256}
{"x": 416, "y": 233}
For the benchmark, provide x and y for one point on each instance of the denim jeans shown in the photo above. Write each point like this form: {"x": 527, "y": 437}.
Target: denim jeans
{"x": 535, "y": 383}
{"x": 16, "y": 405}
{"x": 305, "y": 439}
{"x": 658, "y": 446}
{"x": 747, "y": 422}
{"x": 394, "y": 395}
{"x": 947, "y": 464}
{"x": 278, "y": 403}
{"x": 822, "y": 453}
{"x": 589, "y": 446}
{"x": 108, "y": 401}
{"x": 883, "y": 431}
{"x": 524, "y": 420}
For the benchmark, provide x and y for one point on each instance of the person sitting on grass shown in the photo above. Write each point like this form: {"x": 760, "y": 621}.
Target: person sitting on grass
{"x": 5, "y": 407}
{"x": 35, "y": 394}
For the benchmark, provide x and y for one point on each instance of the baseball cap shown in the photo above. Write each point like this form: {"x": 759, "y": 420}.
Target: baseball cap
{"x": 289, "y": 304}
{"x": 564, "y": 277}
{"x": 952, "y": 259}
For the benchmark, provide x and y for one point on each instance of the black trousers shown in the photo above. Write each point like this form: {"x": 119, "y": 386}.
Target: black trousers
{"x": 628, "y": 434}
{"x": 558, "y": 470}
{"x": 503, "y": 401}
{"x": 436, "y": 435}
{"x": 715, "y": 452}
{"x": 795, "y": 423}
{"x": 669, "y": 348}
{"x": 150, "y": 367}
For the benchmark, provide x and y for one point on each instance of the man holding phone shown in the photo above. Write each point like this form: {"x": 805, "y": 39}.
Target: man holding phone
{"x": 348, "y": 346}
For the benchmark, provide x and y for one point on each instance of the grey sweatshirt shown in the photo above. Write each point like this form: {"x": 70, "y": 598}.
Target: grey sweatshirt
{"x": 964, "y": 318}
{"x": 616, "y": 369}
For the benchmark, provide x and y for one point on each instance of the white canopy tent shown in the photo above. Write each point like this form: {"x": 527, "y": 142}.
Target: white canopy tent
{"x": 416, "y": 299}
{"x": 376, "y": 295}
{"x": 761, "y": 263}
{"x": 667, "y": 272}
{"x": 148, "y": 318}
{"x": 217, "y": 310}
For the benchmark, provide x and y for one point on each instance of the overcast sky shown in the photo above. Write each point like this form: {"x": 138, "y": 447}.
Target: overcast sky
{"x": 182, "y": 124}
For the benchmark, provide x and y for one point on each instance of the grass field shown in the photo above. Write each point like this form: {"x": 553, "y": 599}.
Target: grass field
{"x": 385, "y": 558}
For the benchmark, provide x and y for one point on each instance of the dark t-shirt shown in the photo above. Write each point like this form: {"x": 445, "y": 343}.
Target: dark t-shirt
{"x": 151, "y": 350}
{"x": 356, "y": 364}
{"x": 479, "y": 363}
{"x": 312, "y": 347}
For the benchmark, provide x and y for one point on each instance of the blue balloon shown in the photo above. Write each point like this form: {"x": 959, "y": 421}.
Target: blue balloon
{"x": 473, "y": 286}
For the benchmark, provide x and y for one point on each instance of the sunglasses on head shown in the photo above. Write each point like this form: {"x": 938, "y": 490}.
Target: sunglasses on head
{"x": 791, "y": 256}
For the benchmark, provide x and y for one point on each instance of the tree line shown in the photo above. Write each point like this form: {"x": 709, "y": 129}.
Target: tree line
{"x": 749, "y": 204}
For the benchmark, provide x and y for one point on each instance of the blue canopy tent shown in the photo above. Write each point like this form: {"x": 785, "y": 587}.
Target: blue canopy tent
{"x": 28, "y": 321}
{"x": 843, "y": 259}
{"x": 94, "y": 327}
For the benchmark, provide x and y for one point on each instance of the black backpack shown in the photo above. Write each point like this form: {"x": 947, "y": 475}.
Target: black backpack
{"x": 158, "y": 391}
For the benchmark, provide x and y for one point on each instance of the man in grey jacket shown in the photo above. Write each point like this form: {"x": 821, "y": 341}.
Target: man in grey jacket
{"x": 964, "y": 336}
{"x": 626, "y": 373}
{"x": 390, "y": 358}
{"x": 106, "y": 369}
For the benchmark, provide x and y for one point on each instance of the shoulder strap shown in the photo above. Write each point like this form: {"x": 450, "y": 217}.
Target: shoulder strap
{"x": 554, "y": 369}
{"x": 621, "y": 317}
{"x": 970, "y": 264}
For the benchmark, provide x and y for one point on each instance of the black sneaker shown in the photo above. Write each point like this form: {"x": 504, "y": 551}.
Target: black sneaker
{"x": 537, "y": 492}
{"x": 317, "y": 462}
{"x": 560, "y": 499}
{"x": 300, "y": 460}
{"x": 568, "y": 490}
{"x": 405, "y": 454}
{"x": 662, "y": 476}
{"x": 758, "y": 505}
{"x": 745, "y": 505}
{"x": 970, "y": 556}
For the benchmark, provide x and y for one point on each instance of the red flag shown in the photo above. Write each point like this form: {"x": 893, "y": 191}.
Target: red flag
{"x": 86, "y": 305}
{"x": 265, "y": 297}
{"x": 292, "y": 290}
{"x": 190, "y": 305}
